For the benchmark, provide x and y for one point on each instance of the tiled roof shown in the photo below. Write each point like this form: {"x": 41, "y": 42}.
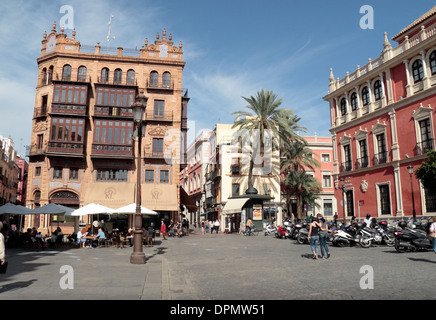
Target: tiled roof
{"x": 417, "y": 21}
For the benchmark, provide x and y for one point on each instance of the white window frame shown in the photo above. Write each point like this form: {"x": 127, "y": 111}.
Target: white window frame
{"x": 419, "y": 115}
{"x": 377, "y": 129}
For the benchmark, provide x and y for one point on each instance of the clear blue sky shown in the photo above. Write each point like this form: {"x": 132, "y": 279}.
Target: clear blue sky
{"x": 231, "y": 48}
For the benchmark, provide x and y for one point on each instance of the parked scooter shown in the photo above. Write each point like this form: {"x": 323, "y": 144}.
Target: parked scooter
{"x": 303, "y": 234}
{"x": 411, "y": 239}
{"x": 281, "y": 232}
{"x": 346, "y": 236}
{"x": 270, "y": 229}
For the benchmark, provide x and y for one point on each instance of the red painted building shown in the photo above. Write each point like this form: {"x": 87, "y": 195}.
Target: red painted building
{"x": 382, "y": 122}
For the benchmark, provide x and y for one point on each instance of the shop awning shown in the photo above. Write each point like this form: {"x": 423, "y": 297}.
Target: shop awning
{"x": 186, "y": 200}
{"x": 234, "y": 205}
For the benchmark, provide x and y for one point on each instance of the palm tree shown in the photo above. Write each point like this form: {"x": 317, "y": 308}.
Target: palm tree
{"x": 264, "y": 118}
{"x": 303, "y": 186}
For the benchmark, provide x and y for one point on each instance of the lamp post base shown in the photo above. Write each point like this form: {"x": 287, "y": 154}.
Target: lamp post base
{"x": 137, "y": 258}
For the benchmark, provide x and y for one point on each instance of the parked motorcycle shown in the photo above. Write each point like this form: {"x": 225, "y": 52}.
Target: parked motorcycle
{"x": 270, "y": 229}
{"x": 346, "y": 236}
{"x": 281, "y": 232}
{"x": 411, "y": 239}
{"x": 303, "y": 233}
{"x": 383, "y": 234}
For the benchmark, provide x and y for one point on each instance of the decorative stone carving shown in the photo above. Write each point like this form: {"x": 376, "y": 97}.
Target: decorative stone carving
{"x": 364, "y": 186}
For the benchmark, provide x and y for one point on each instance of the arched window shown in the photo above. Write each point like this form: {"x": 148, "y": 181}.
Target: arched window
{"x": 117, "y": 75}
{"x": 154, "y": 79}
{"x": 44, "y": 80}
{"x": 377, "y": 90}
{"x": 343, "y": 106}
{"x": 417, "y": 71}
{"x": 166, "y": 80}
{"x": 66, "y": 72}
{"x": 81, "y": 73}
{"x": 130, "y": 76}
{"x": 37, "y": 195}
{"x": 365, "y": 96}
{"x": 104, "y": 75}
{"x": 354, "y": 101}
{"x": 50, "y": 74}
{"x": 433, "y": 62}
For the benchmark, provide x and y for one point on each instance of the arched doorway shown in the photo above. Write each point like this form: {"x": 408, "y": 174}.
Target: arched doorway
{"x": 68, "y": 199}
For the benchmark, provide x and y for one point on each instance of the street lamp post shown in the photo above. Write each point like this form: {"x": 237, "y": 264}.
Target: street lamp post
{"x": 410, "y": 169}
{"x": 138, "y": 256}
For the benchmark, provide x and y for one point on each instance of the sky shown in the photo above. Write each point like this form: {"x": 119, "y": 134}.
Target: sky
{"x": 232, "y": 49}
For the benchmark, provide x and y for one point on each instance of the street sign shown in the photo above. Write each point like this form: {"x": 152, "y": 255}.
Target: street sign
{"x": 361, "y": 202}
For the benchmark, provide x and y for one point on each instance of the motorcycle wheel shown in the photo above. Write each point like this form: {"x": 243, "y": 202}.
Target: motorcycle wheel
{"x": 300, "y": 240}
{"x": 266, "y": 233}
{"x": 390, "y": 240}
{"x": 340, "y": 243}
{"x": 365, "y": 242}
{"x": 399, "y": 248}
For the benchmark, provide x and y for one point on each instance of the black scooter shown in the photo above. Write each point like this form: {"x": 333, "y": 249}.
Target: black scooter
{"x": 411, "y": 239}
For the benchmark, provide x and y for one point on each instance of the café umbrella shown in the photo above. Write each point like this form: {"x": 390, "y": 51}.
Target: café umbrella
{"x": 53, "y": 209}
{"x": 131, "y": 209}
{"x": 89, "y": 209}
{"x": 13, "y": 209}
{"x": 92, "y": 208}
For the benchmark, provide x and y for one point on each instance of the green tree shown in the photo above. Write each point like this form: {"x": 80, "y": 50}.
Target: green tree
{"x": 264, "y": 118}
{"x": 426, "y": 173}
{"x": 303, "y": 185}
{"x": 296, "y": 158}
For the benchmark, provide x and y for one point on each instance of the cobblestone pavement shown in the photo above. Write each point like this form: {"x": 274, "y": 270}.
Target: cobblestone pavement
{"x": 219, "y": 267}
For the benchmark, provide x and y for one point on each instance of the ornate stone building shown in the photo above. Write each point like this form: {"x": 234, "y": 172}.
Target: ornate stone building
{"x": 83, "y": 145}
{"x": 382, "y": 124}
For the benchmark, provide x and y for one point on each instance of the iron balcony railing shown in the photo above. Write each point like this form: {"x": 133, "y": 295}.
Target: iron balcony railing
{"x": 424, "y": 146}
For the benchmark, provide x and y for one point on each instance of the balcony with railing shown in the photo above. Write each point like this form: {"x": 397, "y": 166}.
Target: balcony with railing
{"x": 65, "y": 148}
{"x": 424, "y": 146}
{"x": 69, "y": 109}
{"x": 362, "y": 162}
{"x": 115, "y": 82}
{"x": 113, "y": 112}
{"x": 213, "y": 175}
{"x": 40, "y": 112}
{"x": 165, "y": 116}
{"x": 346, "y": 166}
{"x": 111, "y": 151}
{"x": 154, "y": 155}
{"x": 160, "y": 85}
{"x": 381, "y": 157}
{"x": 34, "y": 150}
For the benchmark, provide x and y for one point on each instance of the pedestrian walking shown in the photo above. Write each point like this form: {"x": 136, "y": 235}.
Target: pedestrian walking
{"x": 163, "y": 230}
{"x": 314, "y": 237}
{"x": 216, "y": 225}
{"x": 323, "y": 235}
{"x": 432, "y": 233}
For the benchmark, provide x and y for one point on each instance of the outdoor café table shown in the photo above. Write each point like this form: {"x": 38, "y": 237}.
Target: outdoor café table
{"x": 91, "y": 239}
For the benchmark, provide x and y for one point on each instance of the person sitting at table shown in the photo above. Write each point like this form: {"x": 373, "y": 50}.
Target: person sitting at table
{"x": 38, "y": 238}
{"x": 129, "y": 235}
{"x": 80, "y": 240}
{"x": 101, "y": 236}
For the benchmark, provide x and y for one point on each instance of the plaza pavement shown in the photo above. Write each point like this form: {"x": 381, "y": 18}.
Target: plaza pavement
{"x": 218, "y": 267}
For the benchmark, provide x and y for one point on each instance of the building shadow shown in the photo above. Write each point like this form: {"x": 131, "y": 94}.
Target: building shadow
{"x": 422, "y": 260}
{"x": 16, "y": 285}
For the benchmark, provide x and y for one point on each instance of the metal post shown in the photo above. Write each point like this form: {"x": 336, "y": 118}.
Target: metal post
{"x": 138, "y": 256}
{"x": 410, "y": 169}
